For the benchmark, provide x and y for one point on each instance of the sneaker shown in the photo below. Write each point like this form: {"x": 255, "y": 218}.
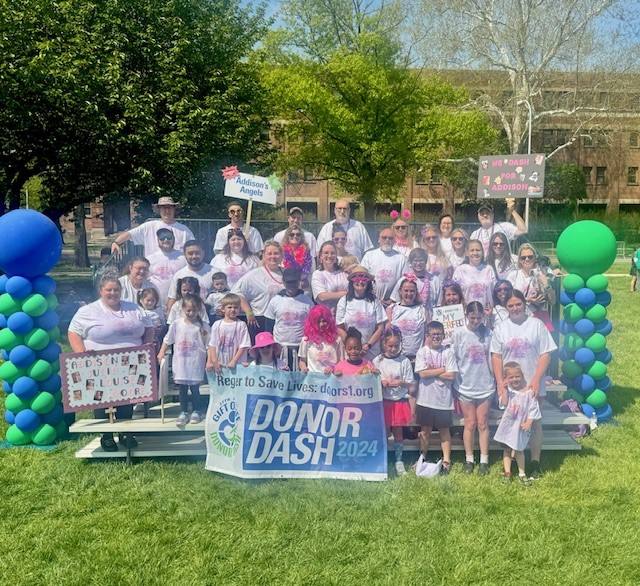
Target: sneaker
{"x": 506, "y": 478}
{"x": 400, "y": 469}
{"x": 525, "y": 481}
{"x": 468, "y": 467}
{"x": 182, "y": 420}
{"x": 108, "y": 444}
{"x": 128, "y": 440}
{"x": 483, "y": 469}
{"x": 534, "y": 470}
{"x": 446, "y": 468}
{"x": 195, "y": 417}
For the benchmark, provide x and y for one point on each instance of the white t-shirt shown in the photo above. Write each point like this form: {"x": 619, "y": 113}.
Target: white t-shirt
{"x": 203, "y": 275}
{"x": 163, "y": 265}
{"x": 398, "y": 368}
{"x": 227, "y": 338}
{"x": 254, "y": 240}
{"x": 405, "y": 248}
{"x": 364, "y": 316}
{"x": 429, "y": 289}
{"x": 213, "y": 301}
{"x": 189, "y": 351}
{"x": 484, "y": 235}
{"x": 322, "y": 355}
{"x": 289, "y": 314}
{"x": 523, "y": 343}
{"x": 176, "y": 311}
{"x": 454, "y": 260}
{"x": 411, "y": 322}
{"x": 326, "y": 282}
{"x": 258, "y": 287}
{"x": 445, "y": 244}
{"x": 432, "y": 391}
{"x": 475, "y": 376}
{"x": 129, "y": 292}
{"x": 102, "y": 328}
{"x": 476, "y": 283}
{"x": 145, "y": 234}
{"x": 387, "y": 268}
{"x": 522, "y": 406}
{"x": 310, "y": 239}
{"x": 234, "y": 266}
{"x": 358, "y": 241}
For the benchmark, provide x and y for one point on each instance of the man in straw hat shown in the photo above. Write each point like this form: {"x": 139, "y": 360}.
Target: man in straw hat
{"x": 146, "y": 234}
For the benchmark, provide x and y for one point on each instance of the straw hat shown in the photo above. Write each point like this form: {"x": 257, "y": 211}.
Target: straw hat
{"x": 165, "y": 201}
{"x": 359, "y": 271}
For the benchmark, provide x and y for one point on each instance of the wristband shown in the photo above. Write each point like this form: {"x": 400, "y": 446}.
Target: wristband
{"x": 249, "y": 313}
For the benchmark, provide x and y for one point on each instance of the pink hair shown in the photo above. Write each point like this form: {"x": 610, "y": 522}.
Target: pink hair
{"x": 311, "y": 330}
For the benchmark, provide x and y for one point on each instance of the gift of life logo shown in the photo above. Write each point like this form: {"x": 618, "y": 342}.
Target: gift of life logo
{"x": 226, "y": 437}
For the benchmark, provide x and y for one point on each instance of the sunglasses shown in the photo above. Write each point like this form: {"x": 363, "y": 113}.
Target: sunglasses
{"x": 165, "y": 237}
{"x": 527, "y": 257}
{"x": 430, "y": 237}
{"x": 503, "y": 289}
{"x": 234, "y": 212}
{"x": 400, "y": 227}
{"x": 387, "y": 237}
{"x": 457, "y": 239}
{"x": 295, "y": 235}
{"x": 498, "y": 244}
{"x": 339, "y": 239}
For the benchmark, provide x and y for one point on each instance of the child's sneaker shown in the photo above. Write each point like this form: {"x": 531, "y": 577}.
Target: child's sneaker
{"x": 468, "y": 467}
{"x": 182, "y": 420}
{"x": 525, "y": 481}
{"x": 400, "y": 469}
{"x": 195, "y": 417}
{"x": 506, "y": 478}
{"x": 534, "y": 470}
{"x": 446, "y": 468}
{"x": 483, "y": 469}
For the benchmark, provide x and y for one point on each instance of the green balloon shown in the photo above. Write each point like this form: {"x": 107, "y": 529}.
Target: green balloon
{"x": 572, "y": 283}
{"x": 58, "y": 397}
{"x": 8, "y": 304}
{"x": 54, "y": 334}
{"x": 596, "y": 342}
{"x": 44, "y": 435}
{"x": 40, "y": 370}
{"x": 10, "y": 372}
{"x": 573, "y": 342}
{"x": 573, "y": 394}
{"x": 52, "y": 301}
{"x": 9, "y": 340}
{"x": 573, "y": 312}
{"x": 37, "y": 339}
{"x": 43, "y": 403}
{"x": 597, "y": 283}
{"x": 15, "y": 404}
{"x": 61, "y": 430}
{"x": 597, "y": 399}
{"x": 597, "y": 370}
{"x": 577, "y": 252}
{"x": 17, "y": 437}
{"x": 596, "y": 313}
{"x": 55, "y": 366}
{"x": 571, "y": 368}
{"x": 34, "y": 305}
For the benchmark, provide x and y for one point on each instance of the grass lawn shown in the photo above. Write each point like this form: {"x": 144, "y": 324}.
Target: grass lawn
{"x": 66, "y": 521}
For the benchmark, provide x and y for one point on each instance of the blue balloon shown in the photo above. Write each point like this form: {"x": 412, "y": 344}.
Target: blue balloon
{"x": 566, "y": 327}
{"x": 3, "y": 283}
{"x": 604, "y": 356}
{"x": 18, "y": 287}
{"x": 9, "y": 417}
{"x": 5, "y": 355}
{"x": 22, "y": 356}
{"x": 567, "y": 381}
{"x": 3, "y": 321}
{"x": 7, "y": 387}
{"x": 51, "y": 353}
{"x": 584, "y": 384}
{"x": 585, "y": 357}
{"x": 44, "y": 285}
{"x": 585, "y": 297}
{"x": 55, "y": 416}
{"x": 587, "y": 409}
{"x": 566, "y": 297}
{"x": 584, "y": 327}
{"x": 30, "y": 243}
{"x": 604, "y": 384}
{"x": 20, "y": 323}
{"x": 603, "y": 298}
{"x": 604, "y": 327}
{"x": 563, "y": 354}
{"x": 27, "y": 420}
{"x": 604, "y": 413}
{"x": 52, "y": 384}
{"x": 47, "y": 321}
{"x": 25, "y": 387}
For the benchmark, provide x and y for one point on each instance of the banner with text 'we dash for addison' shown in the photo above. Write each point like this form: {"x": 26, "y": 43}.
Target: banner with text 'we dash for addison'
{"x": 267, "y": 423}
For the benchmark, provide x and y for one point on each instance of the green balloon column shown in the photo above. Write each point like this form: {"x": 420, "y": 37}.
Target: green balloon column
{"x": 30, "y": 246}
{"x": 585, "y": 250}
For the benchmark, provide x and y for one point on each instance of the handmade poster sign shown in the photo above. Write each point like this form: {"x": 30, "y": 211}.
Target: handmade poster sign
{"x": 94, "y": 380}
{"x": 250, "y": 187}
{"x": 450, "y": 316}
{"x": 267, "y": 423}
{"x": 506, "y": 176}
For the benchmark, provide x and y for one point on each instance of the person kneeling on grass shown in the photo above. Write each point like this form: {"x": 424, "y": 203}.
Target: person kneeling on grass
{"x": 436, "y": 367}
{"x": 514, "y": 430}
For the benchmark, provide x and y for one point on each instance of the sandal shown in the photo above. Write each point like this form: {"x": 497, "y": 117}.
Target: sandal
{"x": 446, "y": 468}
{"x": 108, "y": 444}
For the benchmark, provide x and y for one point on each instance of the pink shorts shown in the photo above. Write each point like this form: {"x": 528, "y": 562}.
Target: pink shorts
{"x": 397, "y": 412}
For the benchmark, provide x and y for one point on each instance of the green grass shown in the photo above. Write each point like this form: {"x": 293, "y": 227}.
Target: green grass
{"x": 66, "y": 521}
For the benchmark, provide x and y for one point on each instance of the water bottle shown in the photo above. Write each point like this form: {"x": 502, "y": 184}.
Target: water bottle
{"x": 593, "y": 421}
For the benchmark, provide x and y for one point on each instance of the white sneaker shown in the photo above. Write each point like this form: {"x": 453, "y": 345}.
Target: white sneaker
{"x": 182, "y": 420}
{"x": 400, "y": 469}
{"x": 195, "y": 417}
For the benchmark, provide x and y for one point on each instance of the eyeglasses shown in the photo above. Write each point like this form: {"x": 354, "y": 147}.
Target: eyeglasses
{"x": 457, "y": 239}
{"x": 430, "y": 237}
{"x": 527, "y": 257}
{"x": 435, "y": 335}
{"x": 234, "y": 212}
{"x": 162, "y": 238}
{"x": 339, "y": 239}
{"x": 341, "y": 209}
{"x": 387, "y": 237}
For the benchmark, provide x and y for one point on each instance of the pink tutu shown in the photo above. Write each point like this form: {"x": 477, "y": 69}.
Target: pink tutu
{"x": 396, "y": 413}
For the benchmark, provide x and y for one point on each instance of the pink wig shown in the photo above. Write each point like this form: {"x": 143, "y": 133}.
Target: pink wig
{"x": 311, "y": 330}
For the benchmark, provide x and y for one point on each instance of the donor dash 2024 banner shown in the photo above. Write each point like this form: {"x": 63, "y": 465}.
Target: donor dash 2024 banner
{"x": 268, "y": 423}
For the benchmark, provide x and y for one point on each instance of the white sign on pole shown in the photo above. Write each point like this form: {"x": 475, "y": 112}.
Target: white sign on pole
{"x": 250, "y": 187}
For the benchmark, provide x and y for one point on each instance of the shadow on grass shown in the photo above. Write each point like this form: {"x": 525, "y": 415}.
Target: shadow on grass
{"x": 621, "y": 398}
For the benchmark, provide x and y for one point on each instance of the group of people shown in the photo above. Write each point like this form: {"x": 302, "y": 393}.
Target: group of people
{"x": 337, "y": 304}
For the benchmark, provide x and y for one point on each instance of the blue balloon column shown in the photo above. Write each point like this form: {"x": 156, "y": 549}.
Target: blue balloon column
{"x": 30, "y": 246}
{"x": 586, "y": 249}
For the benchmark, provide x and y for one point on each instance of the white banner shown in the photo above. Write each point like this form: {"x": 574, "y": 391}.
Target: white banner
{"x": 254, "y": 187}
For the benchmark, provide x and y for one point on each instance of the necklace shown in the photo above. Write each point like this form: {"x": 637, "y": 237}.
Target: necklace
{"x": 119, "y": 313}
{"x": 271, "y": 275}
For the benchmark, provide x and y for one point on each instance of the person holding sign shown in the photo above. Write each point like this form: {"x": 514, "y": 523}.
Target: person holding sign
{"x": 236, "y": 215}
{"x": 107, "y": 324}
{"x": 488, "y": 227}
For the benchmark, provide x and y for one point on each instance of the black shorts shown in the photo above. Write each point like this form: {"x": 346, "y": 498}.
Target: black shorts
{"x": 435, "y": 418}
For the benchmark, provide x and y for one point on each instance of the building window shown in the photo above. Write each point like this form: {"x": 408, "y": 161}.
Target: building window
{"x": 422, "y": 177}
{"x": 562, "y": 137}
{"x": 632, "y": 176}
{"x": 601, "y": 178}
{"x": 547, "y": 138}
{"x": 309, "y": 175}
{"x": 587, "y": 141}
{"x": 436, "y": 177}
{"x": 604, "y": 99}
{"x": 587, "y": 174}
{"x": 633, "y": 140}
{"x": 602, "y": 138}
{"x": 294, "y": 176}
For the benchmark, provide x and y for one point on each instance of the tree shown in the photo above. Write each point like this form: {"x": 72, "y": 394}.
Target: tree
{"x": 350, "y": 108}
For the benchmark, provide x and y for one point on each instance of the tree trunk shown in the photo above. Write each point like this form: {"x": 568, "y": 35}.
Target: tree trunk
{"x": 80, "y": 251}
